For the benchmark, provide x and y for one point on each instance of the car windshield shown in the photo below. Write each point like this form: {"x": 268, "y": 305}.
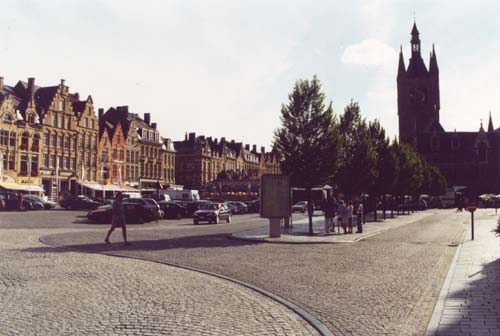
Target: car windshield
{"x": 150, "y": 201}
{"x": 301, "y": 203}
{"x": 33, "y": 197}
{"x": 209, "y": 206}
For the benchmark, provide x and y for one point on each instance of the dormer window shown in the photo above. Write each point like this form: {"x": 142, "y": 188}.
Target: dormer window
{"x": 6, "y": 117}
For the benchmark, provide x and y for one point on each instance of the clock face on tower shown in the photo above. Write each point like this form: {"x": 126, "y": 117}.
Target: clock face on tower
{"x": 418, "y": 95}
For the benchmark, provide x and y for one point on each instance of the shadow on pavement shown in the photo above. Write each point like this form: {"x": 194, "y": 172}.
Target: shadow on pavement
{"x": 116, "y": 245}
{"x": 476, "y": 306}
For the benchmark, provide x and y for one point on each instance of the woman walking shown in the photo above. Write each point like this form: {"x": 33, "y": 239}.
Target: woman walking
{"x": 118, "y": 219}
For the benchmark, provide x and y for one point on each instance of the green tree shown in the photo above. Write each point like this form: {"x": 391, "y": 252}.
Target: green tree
{"x": 387, "y": 164}
{"x": 411, "y": 171}
{"x": 359, "y": 160}
{"x": 308, "y": 140}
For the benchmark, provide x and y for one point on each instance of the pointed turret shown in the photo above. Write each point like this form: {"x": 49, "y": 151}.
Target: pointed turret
{"x": 401, "y": 67}
{"x": 490, "y": 124}
{"x": 415, "y": 40}
{"x": 433, "y": 65}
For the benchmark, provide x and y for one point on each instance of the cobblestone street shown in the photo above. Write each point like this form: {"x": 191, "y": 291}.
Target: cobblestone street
{"x": 48, "y": 291}
{"x": 386, "y": 284}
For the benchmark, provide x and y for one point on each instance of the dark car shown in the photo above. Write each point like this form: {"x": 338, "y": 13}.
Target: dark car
{"x": 212, "y": 213}
{"x": 31, "y": 204}
{"x": 173, "y": 210}
{"x": 253, "y": 206}
{"x": 10, "y": 201}
{"x": 134, "y": 213}
{"x": 239, "y": 208}
{"x": 79, "y": 202}
{"x": 148, "y": 203}
{"x": 47, "y": 205}
{"x": 191, "y": 206}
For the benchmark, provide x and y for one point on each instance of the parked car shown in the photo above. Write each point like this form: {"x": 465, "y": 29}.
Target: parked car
{"x": 173, "y": 210}
{"x": 148, "y": 203}
{"x": 240, "y": 208}
{"x": 212, "y": 213}
{"x": 253, "y": 206}
{"x": 47, "y": 205}
{"x": 134, "y": 213}
{"x": 191, "y": 206}
{"x": 32, "y": 204}
{"x": 232, "y": 208}
{"x": 300, "y": 207}
{"x": 8, "y": 200}
{"x": 79, "y": 202}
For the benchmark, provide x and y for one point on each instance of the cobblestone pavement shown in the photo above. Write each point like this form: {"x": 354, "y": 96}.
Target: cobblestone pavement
{"x": 49, "y": 291}
{"x": 471, "y": 301}
{"x": 384, "y": 285}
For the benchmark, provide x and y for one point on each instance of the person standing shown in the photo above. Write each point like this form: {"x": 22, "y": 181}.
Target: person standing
{"x": 118, "y": 219}
{"x": 349, "y": 212}
{"x": 360, "y": 217}
{"x": 343, "y": 215}
{"x": 328, "y": 209}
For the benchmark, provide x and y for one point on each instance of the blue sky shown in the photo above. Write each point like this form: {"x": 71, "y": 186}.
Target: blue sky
{"x": 224, "y": 67}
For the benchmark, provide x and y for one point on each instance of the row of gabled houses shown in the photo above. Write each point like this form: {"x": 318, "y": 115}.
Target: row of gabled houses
{"x": 53, "y": 142}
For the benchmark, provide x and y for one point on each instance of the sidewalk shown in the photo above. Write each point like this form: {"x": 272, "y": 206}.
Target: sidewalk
{"x": 469, "y": 303}
{"x": 299, "y": 232}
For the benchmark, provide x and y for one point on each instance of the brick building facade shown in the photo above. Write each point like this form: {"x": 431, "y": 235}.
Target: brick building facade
{"x": 201, "y": 160}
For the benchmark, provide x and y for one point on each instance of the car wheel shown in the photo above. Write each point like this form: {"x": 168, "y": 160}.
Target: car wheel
{"x": 68, "y": 207}
{"x": 228, "y": 219}
{"x": 195, "y": 221}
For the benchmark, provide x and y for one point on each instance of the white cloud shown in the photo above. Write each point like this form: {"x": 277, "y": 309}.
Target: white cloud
{"x": 369, "y": 52}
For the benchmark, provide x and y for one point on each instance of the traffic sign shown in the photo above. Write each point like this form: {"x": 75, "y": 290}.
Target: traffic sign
{"x": 471, "y": 207}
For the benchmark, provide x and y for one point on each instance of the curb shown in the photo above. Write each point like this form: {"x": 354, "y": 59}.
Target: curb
{"x": 315, "y": 323}
{"x": 433, "y": 324}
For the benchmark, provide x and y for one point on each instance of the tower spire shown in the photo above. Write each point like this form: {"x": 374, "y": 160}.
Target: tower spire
{"x": 401, "y": 66}
{"x": 490, "y": 124}
{"x": 433, "y": 66}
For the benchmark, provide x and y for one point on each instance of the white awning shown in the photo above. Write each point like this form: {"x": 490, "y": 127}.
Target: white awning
{"x": 11, "y": 186}
{"x": 20, "y": 187}
{"x": 106, "y": 187}
{"x": 35, "y": 188}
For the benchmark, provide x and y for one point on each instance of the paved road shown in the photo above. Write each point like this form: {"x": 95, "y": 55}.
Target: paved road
{"x": 385, "y": 285}
{"x": 49, "y": 291}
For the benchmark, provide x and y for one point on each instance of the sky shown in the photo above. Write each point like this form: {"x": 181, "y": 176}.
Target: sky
{"x": 223, "y": 68}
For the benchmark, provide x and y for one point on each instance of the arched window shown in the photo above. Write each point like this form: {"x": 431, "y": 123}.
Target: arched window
{"x": 36, "y": 143}
{"x": 25, "y": 138}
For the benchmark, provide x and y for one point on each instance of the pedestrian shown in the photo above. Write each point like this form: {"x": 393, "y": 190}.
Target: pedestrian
{"x": 360, "y": 217}
{"x": 118, "y": 218}
{"x": 350, "y": 210}
{"x": 343, "y": 215}
{"x": 328, "y": 209}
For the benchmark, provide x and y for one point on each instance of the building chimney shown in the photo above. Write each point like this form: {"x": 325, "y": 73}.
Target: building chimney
{"x": 192, "y": 136}
{"x": 125, "y": 109}
{"x": 77, "y": 96}
{"x": 153, "y": 125}
{"x": 222, "y": 140}
{"x": 216, "y": 141}
{"x": 100, "y": 112}
{"x": 247, "y": 147}
{"x": 62, "y": 83}
{"x": 254, "y": 148}
{"x": 147, "y": 118}
{"x": 232, "y": 141}
{"x": 262, "y": 149}
{"x": 1, "y": 83}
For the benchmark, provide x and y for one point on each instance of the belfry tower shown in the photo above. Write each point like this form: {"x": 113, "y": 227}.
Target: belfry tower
{"x": 418, "y": 94}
